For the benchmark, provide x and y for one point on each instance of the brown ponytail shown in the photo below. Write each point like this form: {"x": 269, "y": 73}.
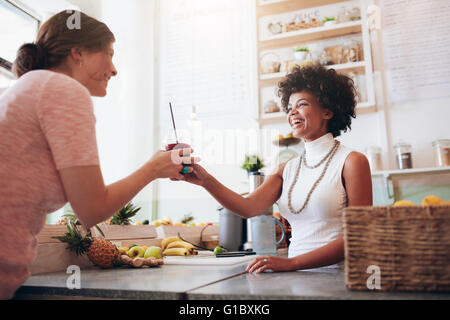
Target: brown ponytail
{"x": 56, "y": 38}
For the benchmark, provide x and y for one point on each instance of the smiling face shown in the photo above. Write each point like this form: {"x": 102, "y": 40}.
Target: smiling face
{"x": 93, "y": 69}
{"x": 96, "y": 70}
{"x": 307, "y": 118}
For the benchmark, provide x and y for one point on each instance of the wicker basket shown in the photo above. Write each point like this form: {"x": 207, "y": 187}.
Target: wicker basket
{"x": 409, "y": 245}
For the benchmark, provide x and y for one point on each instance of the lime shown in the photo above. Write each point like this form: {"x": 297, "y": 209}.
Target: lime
{"x": 218, "y": 249}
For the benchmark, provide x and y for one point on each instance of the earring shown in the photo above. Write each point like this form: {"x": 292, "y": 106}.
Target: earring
{"x": 81, "y": 64}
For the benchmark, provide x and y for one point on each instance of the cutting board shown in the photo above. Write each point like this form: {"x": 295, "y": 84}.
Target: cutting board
{"x": 206, "y": 258}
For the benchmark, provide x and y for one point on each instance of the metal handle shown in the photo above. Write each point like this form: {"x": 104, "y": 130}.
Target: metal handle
{"x": 283, "y": 232}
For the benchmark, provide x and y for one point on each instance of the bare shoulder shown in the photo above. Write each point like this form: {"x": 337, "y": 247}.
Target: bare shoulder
{"x": 356, "y": 160}
{"x": 278, "y": 170}
{"x": 356, "y": 166}
{"x": 357, "y": 179}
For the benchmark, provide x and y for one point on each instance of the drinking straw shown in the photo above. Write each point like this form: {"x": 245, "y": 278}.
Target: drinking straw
{"x": 173, "y": 122}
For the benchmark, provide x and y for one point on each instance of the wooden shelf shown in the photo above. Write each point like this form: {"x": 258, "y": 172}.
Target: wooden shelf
{"x": 268, "y": 2}
{"x": 294, "y": 38}
{"x": 348, "y": 66}
{"x": 272, "y": 79}
{"x": 389, "y": 173}
{"x": 275, "y": 117}
{"x": 280, "y": 7}
{"x": 278, "y": 117}
{"x": 306, "y": 36}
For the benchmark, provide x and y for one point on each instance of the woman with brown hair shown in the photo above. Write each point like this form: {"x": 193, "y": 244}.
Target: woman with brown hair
{"x": 48, "y": 148}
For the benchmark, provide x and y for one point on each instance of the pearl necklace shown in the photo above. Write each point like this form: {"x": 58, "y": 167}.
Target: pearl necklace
{"x": 330, "y": 156}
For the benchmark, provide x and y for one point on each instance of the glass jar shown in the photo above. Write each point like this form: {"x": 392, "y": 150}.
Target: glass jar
{"x": 343, "y": 15}
{"x": 350, "y": 51}
{"x": 374, "y": 157}
{"x": 403, "y": 155}
{"x": 441, "y": 152}
{"x": 355, "y": 14}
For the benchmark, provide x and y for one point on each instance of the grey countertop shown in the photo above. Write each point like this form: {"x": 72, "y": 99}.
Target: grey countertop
{"x": 205, "y": 282}
{"x": 320, "y": 283}
{"x": 163, "y": 282}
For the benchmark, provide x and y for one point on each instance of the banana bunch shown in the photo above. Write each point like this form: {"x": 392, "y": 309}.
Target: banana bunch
{"x": 174, "y": 246}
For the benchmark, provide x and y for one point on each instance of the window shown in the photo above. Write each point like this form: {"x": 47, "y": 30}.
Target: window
{"x": 206, "y": 60}
{"x": 16, "y": 27}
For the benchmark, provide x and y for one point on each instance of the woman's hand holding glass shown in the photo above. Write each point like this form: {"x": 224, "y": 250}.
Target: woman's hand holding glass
{"x": 172, "y": 164}
{"x": 197, "y": 175}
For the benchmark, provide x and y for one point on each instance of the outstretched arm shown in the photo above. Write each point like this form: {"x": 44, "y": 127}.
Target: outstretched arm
{"x": 256, "y": 203}
{"x": 93, "y": 201}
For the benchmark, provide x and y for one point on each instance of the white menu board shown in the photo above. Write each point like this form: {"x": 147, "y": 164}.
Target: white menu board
{"x": 416, "y": 44}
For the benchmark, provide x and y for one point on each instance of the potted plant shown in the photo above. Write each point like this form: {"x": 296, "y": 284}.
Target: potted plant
{"x": 327, "y": 21}
{"x": 301, "y": 53}
{"x": 252, "y": 164}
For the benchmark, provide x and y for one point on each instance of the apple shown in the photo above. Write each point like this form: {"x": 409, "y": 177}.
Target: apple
{"x": 153, "y": 251}
{"x": 136, "y": 251}
{"x": 123, "y": 250}
{"x": 218, "y": 249}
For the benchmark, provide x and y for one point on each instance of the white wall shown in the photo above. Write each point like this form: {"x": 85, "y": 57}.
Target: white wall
{"x": 125, "y": 115}
{"x": 418, "y": 122}
{"x": 89, "y": 7}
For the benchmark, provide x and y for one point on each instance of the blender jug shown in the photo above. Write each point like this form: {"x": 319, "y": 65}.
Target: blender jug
{"x": 264, "y": 233}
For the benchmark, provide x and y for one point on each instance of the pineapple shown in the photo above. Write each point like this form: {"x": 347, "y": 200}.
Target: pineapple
{"x": 101, "y": 252}
{"x": 123, "y": 216}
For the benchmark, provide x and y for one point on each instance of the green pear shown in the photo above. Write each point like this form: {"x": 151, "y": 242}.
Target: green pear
{"x": 136, "y": 251}
{"x": 153, "y": 252}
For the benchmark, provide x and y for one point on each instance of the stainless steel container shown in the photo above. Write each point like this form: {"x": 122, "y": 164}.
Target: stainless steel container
{"x": 441, "y": 152}
{"x": 255, "y": 179}
{"x": 403, "y": 155}
{"x": 232, "y": 230}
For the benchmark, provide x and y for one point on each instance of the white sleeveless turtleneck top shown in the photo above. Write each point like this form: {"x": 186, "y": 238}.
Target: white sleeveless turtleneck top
{"x": 320, "y": 222}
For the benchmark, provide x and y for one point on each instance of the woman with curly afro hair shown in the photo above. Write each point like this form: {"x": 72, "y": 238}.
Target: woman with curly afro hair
{"x": 312, "y": 189}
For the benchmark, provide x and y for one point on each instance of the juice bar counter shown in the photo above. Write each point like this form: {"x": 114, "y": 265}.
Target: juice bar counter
{"x": 192, "y": 282}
